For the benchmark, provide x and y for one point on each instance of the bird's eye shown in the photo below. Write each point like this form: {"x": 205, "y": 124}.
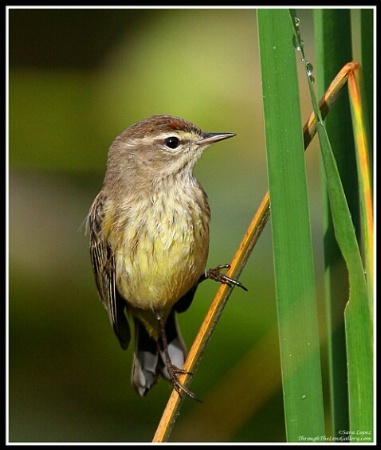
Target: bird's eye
{"x": 172, "y": 142}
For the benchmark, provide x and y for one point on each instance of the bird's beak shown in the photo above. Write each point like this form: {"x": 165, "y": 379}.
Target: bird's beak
{"x": 210, "y": 138}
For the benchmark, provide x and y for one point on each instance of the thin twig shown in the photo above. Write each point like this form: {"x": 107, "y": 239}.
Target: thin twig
{"x": 242, "y": 255}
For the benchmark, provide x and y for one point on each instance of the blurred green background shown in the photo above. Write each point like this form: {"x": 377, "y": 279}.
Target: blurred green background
{"x": 77, "y": 78}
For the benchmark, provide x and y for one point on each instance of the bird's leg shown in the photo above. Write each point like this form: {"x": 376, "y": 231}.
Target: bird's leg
{"x": 172, "y": 369}
{"x": 216, "y": 275}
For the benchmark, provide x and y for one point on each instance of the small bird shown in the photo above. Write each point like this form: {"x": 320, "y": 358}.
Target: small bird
{"x": 149, "y": 239}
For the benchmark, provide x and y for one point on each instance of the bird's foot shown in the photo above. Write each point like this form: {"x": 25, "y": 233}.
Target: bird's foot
{"x": 216, "y": 275}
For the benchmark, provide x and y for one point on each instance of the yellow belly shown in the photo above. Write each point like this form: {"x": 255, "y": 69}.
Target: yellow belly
{"x": 162, "y": 254}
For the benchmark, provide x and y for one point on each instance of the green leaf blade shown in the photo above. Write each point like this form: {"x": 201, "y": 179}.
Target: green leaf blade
{"x": 293, "y": 258}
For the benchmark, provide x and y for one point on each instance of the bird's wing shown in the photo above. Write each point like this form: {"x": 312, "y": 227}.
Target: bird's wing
{"x": 103, "y": 263}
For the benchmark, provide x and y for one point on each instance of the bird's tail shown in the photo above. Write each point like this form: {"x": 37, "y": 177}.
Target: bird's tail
{"x": 149, "y": 358}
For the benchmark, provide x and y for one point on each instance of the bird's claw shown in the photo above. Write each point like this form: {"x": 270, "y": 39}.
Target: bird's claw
{"x": 180, "y": 388}
{"x": 216, "y": 275}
